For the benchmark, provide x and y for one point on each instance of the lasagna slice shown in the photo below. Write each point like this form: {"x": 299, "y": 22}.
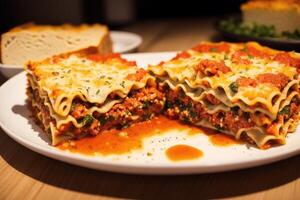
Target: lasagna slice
{"x": 245, "y": 90}
{"x": 76, "y": 95}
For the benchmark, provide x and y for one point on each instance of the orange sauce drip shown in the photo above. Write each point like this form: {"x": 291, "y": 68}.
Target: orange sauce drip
{"x": 183, "y": 152}
{"x": 124, "y": 141}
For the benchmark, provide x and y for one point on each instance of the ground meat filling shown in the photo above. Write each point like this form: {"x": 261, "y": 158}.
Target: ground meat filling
{"x": 139, "y": 105}
{"x": 179, "y": 106}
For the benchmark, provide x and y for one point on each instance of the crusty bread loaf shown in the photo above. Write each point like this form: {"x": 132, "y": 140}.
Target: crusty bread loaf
{"x": 36, "y": 42}
{"x": 283, "y": 14}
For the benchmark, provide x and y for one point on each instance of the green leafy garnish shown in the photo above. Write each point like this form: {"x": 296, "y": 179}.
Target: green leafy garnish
{"x": 87, "y": 120}
{"x": 235, "y": 26}
{"x": 146, "y": 104}
{"x": 234, "y": 87}
{"x": 285, "y": 111}
{"x": 102, "y": 120}
{"x": 97, "y": 91}
{"x": 123, "y": 84}
{"x": 294, "y": 35}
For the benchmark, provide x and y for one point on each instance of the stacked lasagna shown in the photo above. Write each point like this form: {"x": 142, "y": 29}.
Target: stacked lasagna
{"x": 76, "y": 95}
{"x": 245, "y": 90}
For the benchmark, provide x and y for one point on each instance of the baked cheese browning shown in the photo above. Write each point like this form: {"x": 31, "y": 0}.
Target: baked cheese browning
{"x": 77, "y": 95}
{"x": 239, "y": 89}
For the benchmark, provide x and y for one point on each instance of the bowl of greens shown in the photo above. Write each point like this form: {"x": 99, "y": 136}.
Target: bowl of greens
{"x": 232, "y": 28}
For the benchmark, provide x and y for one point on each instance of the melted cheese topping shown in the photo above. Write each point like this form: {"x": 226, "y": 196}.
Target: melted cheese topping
{"x": 183, "y": 69}
{"x": 77, "y": 76}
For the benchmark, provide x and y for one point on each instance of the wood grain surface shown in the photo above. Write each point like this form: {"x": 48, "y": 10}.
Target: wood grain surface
{"x": 25, "y": 174}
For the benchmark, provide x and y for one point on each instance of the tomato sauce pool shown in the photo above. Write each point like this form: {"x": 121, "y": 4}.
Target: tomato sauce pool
{"x": 124, "y": 141}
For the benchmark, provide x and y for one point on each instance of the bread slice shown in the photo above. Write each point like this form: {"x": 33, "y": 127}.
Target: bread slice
{"x": 283, "y": 14}
{"x": 37, "y": 42}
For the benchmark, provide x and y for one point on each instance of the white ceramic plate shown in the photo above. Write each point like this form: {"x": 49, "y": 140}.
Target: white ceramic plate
{"x": 123, "y": 42}
{"x": 15, "y": 121}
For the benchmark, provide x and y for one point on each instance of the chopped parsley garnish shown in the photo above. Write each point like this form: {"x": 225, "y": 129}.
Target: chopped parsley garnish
{"x": 146, "y": 104}
{"x": 234, "y": 87}
{"x": 123, "y": 84}
{"x": 97, "y": 91}
{"x": 88, "y": 90}
{"x": 87, "y": 120}
{"x": 285, "y": 111}
{"x": 102, "y": 120}
{"x": 193, "y": 114}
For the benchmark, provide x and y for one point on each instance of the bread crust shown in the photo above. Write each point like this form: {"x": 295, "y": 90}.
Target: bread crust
{"x": 104, "y": 45}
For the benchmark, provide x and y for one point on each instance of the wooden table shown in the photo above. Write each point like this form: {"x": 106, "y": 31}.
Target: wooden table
{"x": 25, "y": 174}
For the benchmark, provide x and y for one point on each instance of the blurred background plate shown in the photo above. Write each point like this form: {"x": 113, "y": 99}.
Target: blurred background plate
{"x": 125, "y": 42}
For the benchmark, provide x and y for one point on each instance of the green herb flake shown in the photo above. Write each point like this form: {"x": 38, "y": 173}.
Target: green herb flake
{"x": 123, "y": 84}
{"x": 88, "y": 90}
{"x": 234, "y": 87}
{"x": 97, "y": 91}
{"x": 102, "y": 120}
{"x": 285, "y": 111}
{"x": 146, "y": 104}
{"x": 193, "y": 114}
{"x": 87, "y": 120}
